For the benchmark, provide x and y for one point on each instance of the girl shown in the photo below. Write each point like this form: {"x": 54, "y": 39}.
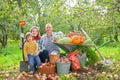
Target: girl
{"x": 31, "y": 52}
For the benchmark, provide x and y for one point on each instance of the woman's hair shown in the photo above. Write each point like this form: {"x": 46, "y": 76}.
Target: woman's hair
{"x": 35, "y": 27}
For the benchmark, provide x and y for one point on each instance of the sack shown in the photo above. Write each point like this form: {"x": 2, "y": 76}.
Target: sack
{"x": 74, "y": 60}
{"x": 75, "y": 63}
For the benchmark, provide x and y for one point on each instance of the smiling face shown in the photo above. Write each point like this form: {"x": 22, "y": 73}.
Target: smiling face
{"x": 49, "y": 29}
{"x": 34, "y": 32}
{"x": 29, "y": 37}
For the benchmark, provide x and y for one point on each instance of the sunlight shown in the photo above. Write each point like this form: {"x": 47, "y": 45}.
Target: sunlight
{"x": 70, "y": 3}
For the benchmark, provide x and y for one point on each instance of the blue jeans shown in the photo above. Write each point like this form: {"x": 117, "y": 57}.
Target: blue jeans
{"x": 33, "y": 60}
{"x": 44, "y": 55}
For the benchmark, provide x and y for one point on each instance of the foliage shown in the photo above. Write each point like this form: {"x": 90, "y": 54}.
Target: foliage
{"x": 99, "y": 18}
{"x": 92, "y": 56}
{"x": 67, "y": 77}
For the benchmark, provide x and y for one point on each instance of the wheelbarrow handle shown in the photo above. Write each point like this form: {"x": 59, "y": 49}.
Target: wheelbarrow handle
{"x": 102, "y": 57}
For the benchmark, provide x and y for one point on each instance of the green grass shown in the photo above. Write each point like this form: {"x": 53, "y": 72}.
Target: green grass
{"x": 111, "y": 52}
{"x": 10, "y": 56}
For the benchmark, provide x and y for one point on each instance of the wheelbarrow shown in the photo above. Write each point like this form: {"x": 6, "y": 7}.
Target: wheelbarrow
{"x": 67, "y": 47}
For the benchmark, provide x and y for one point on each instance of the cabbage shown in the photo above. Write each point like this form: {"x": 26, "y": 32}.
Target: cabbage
{"x": 64, "y": 40}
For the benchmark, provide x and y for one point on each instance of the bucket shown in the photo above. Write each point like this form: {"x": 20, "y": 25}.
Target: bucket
{"x": 82, "y": 59}
{"x": 63, "y": 68}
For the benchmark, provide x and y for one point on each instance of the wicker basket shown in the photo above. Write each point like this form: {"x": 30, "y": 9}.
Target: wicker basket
{"x": 48, "y": 69}
{"x": 54, "y": 58}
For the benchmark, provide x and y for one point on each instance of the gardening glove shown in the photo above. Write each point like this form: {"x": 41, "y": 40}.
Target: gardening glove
{"x": 21, "y": 35}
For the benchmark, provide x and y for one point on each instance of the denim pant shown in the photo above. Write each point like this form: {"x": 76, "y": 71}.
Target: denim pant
{"x": 44, "y": 55}
{"x": 33, "y": 60}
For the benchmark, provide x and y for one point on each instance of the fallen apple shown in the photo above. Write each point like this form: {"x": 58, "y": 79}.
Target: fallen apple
{"x": 103, "y": 73}
{"x": 89, "y": 73}
{"x": 110, "y": 76}
{"x": 115, "y": 76}
{"x": 23, "y": 78}
{"x": 7, "y": 74}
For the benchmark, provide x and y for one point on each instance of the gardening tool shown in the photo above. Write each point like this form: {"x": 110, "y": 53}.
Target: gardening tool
{"x": 104, "y": 61}
{"x": 23, "y": 64}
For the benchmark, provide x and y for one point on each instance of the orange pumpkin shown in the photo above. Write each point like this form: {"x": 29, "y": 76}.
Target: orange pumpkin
{"x": 75, "y": 39}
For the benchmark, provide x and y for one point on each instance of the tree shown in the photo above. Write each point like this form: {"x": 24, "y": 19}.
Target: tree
{"x": 94, "y": 17}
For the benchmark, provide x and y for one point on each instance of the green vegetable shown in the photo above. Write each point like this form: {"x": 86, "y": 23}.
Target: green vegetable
{"x": 64, "y": 40}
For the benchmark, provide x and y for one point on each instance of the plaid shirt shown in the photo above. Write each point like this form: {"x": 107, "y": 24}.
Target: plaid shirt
{"x": 47, "y": 43}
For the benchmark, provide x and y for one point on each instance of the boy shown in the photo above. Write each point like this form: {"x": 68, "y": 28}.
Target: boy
{"x": 31, "y": 52}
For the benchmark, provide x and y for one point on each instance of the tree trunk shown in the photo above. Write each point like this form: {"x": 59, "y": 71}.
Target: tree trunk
{"x": 4, "y": 43}
{"x": 19, "y": 3}
{"x": 3, "y": 38}
{"x": 116, "y": 35}
{"x": 110, "y": 37}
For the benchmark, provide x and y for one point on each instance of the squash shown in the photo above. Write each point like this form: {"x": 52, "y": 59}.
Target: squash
{"x": 75, "y": 39}
{"x": 82, "y": 39}
{"x": 70, "y": 34}
{"x": 64, "y": 40}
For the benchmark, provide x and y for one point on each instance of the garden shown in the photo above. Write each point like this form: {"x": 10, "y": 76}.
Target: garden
{"x": 90, "y": 39}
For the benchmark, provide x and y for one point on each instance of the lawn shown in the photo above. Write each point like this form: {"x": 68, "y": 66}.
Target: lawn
{"x": 111, "y": 51}
{"x": 11, "y": 56}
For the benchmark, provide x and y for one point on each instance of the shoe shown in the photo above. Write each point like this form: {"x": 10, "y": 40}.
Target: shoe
{"x": 31, "y": 72}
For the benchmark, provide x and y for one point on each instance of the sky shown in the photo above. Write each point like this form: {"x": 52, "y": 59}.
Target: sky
{"x": 71, "y": 3}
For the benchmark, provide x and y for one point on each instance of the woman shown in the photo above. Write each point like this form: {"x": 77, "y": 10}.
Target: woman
{"x": 44, "y": 54}
{"x": 31, "y": 53}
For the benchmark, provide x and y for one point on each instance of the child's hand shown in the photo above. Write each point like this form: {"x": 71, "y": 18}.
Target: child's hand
{"x": 34, "y": 54}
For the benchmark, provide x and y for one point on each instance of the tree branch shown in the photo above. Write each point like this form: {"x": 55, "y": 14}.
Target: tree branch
{"x": 96, "y": 10}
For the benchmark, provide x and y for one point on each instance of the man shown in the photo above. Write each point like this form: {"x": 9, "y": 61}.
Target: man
{"x": 47, "y": 43}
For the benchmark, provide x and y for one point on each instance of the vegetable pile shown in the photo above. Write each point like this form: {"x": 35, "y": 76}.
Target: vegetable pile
{"x": 71, "y": 38}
